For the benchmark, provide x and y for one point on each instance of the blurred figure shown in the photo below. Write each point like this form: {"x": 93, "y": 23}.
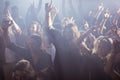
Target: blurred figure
{"x": 18, "y": 19}
{"x": 32, "y": 13}
{"x": 23, "y": 70}
{"x": 2, "y": 55}
{"x": 35, "y": 28}
{"x": 101, "y": 54}
{"x": 112, "y": 67}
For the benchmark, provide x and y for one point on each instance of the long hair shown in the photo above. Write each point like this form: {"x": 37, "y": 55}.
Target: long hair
{"x": 73, "y": 26}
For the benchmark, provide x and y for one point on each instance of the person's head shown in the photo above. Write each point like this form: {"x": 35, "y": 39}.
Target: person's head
{"x": 71, "y": 32}
{"x": 23, "y": 70}
{"x": 102, "y": 46}
{"x": 35, "y": 27}
{"x": 34, "y": 42}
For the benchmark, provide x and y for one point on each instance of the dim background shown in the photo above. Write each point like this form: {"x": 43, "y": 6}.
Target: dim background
{"x": 67, "y": 8}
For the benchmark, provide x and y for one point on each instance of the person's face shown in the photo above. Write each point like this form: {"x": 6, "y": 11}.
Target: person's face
{"x": 33, "y": 28}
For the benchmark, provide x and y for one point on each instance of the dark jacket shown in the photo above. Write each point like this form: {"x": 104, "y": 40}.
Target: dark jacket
{"x": 67, "y": 59}
{"x": 43, "y": 62}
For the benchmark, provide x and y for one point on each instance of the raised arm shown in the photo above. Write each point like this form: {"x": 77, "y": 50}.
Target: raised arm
{"x": 114, "y": 26}
{"x": 84, "y": 35}
{"x": 51, "y": 13}
{"x": 100, "y": 10}
{"x": 15, "y": 25}
{"x": 101, "y": 26}
{"x": 5, "y": 25}
{"x": 98, "y": 14}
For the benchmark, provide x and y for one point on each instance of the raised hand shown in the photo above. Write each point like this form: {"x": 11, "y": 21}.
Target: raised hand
{"x": 6, "y": 22}
{"x": 100, "y": 7}
{"x": 107, "y": 14}
{"x": 51, "y": 13}
{"x": 54, "y": 10}
{"x": 48, "y": 7}
{"x": 9, "y": 21}
{"x": 115, "y": 21}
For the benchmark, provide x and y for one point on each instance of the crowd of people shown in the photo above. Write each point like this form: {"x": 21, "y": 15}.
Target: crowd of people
{"x": 59, "y": 49}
